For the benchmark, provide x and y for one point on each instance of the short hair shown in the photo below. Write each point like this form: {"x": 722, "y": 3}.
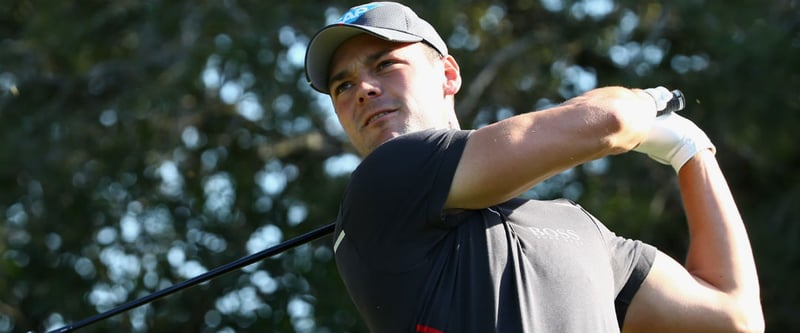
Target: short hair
{"x": 432, "y": 52}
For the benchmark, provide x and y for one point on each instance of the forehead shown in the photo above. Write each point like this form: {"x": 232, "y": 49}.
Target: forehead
{"x": 361, "y": 49}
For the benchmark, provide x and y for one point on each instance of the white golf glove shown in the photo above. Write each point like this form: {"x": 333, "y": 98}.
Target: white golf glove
{"x": 673, "y": 140}
{"x": 661, "y": 96}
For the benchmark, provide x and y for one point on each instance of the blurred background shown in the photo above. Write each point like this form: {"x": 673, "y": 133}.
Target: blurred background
{"x": 145, "y": 142}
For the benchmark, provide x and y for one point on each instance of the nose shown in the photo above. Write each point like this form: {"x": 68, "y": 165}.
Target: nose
{"x": 367, "y": 90}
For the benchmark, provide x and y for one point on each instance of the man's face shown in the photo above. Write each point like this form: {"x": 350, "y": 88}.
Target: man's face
{"x": 382, "y": 89}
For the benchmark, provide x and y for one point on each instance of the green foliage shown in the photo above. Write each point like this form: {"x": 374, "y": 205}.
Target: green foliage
{"x": 143, "y": 142}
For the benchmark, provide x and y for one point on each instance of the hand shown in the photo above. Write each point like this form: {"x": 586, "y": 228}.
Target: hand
{"x": 673, "y": 140}
{"x": 661, "y": 96}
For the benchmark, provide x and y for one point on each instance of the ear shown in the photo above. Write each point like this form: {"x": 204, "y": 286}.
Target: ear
{"x": 452, "y": 73}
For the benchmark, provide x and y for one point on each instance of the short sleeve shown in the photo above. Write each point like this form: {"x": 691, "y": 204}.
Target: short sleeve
{"x": 631, "y": 261}
{"x": 395, "y": 194}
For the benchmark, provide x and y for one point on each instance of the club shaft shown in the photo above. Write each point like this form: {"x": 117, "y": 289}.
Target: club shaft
{"x": 677, "y": 103}
{"x": 239, "y": 263}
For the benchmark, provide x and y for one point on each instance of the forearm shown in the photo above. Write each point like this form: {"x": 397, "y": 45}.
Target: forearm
{"x": 719, "y": 252}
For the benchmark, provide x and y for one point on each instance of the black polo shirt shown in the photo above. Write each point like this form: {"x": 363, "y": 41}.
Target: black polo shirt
{"x": 521, "y": 266}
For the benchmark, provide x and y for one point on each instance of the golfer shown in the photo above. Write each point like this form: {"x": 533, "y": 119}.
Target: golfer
{"x": 432, "y": 238}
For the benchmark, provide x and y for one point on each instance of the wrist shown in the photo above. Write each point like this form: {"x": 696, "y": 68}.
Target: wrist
{"x": 703, "y": 159}
{"x": 692, "y": 145}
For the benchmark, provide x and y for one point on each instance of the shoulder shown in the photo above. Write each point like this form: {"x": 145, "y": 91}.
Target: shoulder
{"x": 431, "y": 140}
{"x": 410, "y": 172}
{"x": 410, "y": 151}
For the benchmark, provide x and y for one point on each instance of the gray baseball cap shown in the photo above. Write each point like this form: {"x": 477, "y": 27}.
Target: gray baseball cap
{"x": 387, "y": 20}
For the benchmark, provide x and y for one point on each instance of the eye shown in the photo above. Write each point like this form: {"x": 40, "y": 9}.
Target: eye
{"x": 342, "y": 87}
{"x": 385, "y": 63}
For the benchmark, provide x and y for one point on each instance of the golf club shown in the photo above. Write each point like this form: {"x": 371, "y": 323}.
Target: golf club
{"x": 675, "y": 104}
{"x": 237, "y": 264}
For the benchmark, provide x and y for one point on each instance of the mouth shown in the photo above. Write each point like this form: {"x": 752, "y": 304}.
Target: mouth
{"x": 377, "y": 116}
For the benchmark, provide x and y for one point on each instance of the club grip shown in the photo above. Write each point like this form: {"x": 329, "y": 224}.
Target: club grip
{"x": 677, "y": 103}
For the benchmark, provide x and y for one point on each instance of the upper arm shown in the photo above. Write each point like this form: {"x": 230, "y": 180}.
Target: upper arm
{"x": 507, "y": 158}
{"x": 672, "y": 300}
{"x": 504, "y": 159}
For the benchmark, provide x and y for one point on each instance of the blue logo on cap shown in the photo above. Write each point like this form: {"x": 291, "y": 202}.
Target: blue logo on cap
{"x": 356, "y": 12}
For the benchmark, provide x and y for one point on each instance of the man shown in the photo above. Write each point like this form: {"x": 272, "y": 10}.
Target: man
{"x": 430, "y": 237}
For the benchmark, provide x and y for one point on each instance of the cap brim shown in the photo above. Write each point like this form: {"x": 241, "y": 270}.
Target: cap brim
{"x": 324, "y": 44}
